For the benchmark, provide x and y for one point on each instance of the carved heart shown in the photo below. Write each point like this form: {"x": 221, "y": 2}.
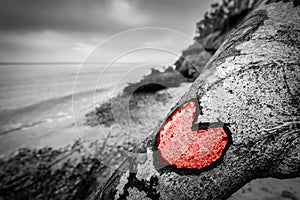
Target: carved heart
{"x": 180, "y": 146}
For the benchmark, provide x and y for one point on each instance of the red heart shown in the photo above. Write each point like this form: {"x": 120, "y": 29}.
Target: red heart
{"x": 182, "y": 147}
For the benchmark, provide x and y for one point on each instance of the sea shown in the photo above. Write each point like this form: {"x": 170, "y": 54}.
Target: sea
{"x": 36, "y": 100}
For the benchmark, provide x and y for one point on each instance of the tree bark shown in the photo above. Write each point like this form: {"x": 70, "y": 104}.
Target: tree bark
{"x": 252, "y": 84}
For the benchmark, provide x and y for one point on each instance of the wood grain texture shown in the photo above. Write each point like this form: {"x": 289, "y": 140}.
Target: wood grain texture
{"x": 252, "y": 83}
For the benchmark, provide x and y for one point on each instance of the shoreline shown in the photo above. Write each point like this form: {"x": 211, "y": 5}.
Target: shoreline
{"x": 108, "y": 145}
{"x": 59, "y": 124}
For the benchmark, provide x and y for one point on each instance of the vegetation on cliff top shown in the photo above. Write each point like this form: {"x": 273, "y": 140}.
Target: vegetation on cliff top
{"x": 211, "y": 33}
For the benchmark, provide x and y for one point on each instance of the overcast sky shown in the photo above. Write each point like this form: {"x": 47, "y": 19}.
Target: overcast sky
{"x": 67, "y": 30}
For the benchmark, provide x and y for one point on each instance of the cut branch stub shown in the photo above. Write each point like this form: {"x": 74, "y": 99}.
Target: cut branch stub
{"x": 181, "y": 143}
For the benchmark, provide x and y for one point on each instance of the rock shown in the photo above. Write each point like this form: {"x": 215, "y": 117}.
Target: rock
{"x": 192, "y": 61}
{"x": 114, "y": 110}
{"x": 155, "y": 81}
{"x": 48, "y": 174}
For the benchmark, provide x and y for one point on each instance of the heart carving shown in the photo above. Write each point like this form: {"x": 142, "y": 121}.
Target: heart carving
{"x": 181, "y": 143}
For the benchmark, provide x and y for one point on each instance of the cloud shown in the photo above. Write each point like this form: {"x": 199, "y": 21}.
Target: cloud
{"x": 74, "y": 15}
{"x": 66, "y": 29}
{"x": 83, "y": 47}
{"x": 58, "y": 15}
{"x": 99, "y": 15}
{"x": 44, "y": 46}
{"x": 125, "y": 13}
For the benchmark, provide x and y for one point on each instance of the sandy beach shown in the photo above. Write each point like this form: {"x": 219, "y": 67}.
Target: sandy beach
{"x": 52, "y": 138}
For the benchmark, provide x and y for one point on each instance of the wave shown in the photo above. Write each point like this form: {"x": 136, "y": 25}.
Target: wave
{"x": 9, "y": 118}
{"x": 16, "y": 127}
{"x": 49, "y": 102}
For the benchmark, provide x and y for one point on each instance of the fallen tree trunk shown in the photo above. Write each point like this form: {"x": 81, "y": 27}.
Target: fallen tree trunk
{"x": 251, "y": 84}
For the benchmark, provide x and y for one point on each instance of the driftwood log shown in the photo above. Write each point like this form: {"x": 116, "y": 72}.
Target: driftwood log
{"x": 252, "y": 84}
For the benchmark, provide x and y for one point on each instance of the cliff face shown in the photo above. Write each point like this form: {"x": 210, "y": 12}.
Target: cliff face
{"x": 211, "y": 33}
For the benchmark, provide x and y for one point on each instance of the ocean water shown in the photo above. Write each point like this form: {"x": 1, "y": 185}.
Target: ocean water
{"x": 35, "y": 98}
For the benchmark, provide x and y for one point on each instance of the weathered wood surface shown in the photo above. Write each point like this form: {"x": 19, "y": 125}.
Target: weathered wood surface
{"x": 252, "y": 83}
